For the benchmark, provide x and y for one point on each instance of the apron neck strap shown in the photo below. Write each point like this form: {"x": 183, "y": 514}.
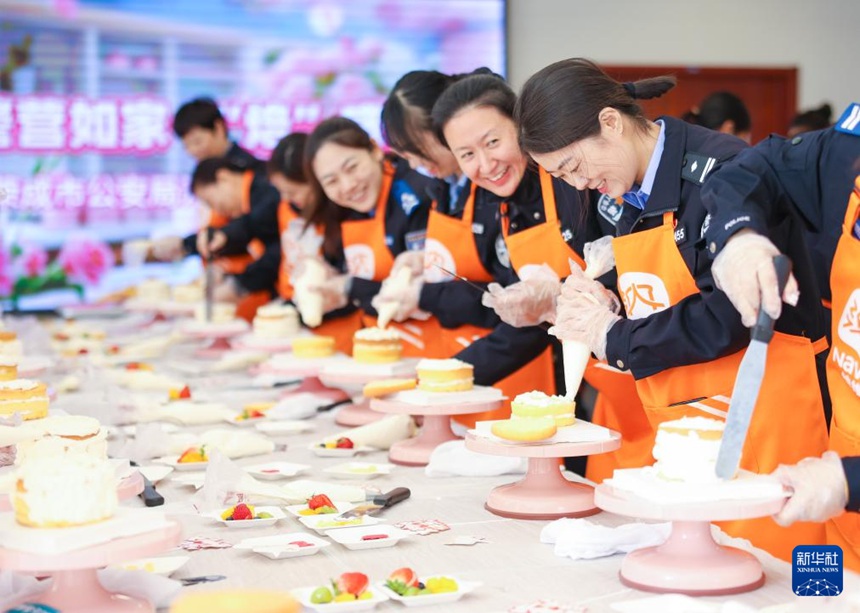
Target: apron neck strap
{"x": 548, "y": 197}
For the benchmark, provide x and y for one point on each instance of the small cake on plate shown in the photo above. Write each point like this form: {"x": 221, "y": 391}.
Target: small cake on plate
{"x": 77, "y": 491}
{"x": 274, "y": 321}
{"x": 188, "y": 292}
{"x": 538, "y": 404}
{"x": 10, "y": 344}
{"x": 450, "y": 375}
{"x": 314, "y": 347}
{"x": 153, "y": 290}
{"x": 8, "y": 368}
{"x": 686, "y": 449}
{"x": 25, "y": 396}
{"x": 376, "y": 346}
{"x": 222, "y": 312}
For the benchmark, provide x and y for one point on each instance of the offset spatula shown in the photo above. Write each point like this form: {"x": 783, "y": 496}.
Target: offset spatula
{"x": 210, "y": 276}
{"x": 748, "y": 383}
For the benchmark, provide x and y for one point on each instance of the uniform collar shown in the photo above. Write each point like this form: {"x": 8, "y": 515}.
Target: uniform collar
{"x": 666, "y": 191}
{"x": 639, "y": 197}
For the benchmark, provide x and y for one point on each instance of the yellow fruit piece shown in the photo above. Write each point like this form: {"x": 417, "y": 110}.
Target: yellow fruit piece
{"x": 365, "y": 596}
{"x": 173, "y": 393}
{"x": 149, "y": 566}
{"x": 227, "y": 513}
{"x": 330, "y": 445}
{"x": 344, "y": 597}
{"x": 439, "y": 585}
{"x": 307, "y": 512}
{"x": 262, "y": 407}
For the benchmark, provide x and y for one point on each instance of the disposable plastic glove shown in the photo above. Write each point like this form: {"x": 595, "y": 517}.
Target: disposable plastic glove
{"x": 397, "y": 300}
{"x": 205, "y": 247}
{"x": 528, "y": 302}
{"x": 297, "y": 244}
{"x": 413, "y": 260}
{"x": 599, "y": 257}
{"x": 744, "y": 271}
{"x": 334, "y": 292}
{"x": 578, "y": 283}
{"x": 583, "y": 318}
{"x": 820, "y": 489}
{"x": 167, "y": 249}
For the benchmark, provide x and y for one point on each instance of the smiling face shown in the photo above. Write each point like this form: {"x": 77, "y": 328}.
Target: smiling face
{"x": 484, "y": 143}
{"x": 611, "y": 162}
{"x": 350, "y": 177}
{"x": 438, "y": 159}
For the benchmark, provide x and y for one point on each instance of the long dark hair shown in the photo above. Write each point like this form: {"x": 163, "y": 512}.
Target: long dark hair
{"x": 288, "y": 157}
{"x": 321, "y": 211}
{"x": 479, "y": 90}
{"x": 560, "y": 104}
{"x": 718, "y": 108}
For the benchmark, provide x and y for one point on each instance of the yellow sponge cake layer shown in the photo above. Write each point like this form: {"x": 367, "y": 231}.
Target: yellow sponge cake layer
{"x": 538, "y": 404}
{"x": 313, "y": 346}
{"x": 445, "y": 375}
{"x": 376, "y": 346}
{"x": 8, "y": 368}
{"x": 29, "y": 398}
{"x": 525, "y": 430}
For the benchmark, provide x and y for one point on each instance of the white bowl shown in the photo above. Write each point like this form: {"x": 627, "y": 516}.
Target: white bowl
{"x": 340, "y": 505}
{"x": 464, "y": 587}
{"x": 353, "y": 538}
{"x": 303, "y": 594}
{"x": 160, "y": 566}
{"x": 275, "y": 512}
{"x": 272, "y": 471}
{"x": 280, "y": 546}
{"x": 325, "y": 452}
{"x": 359, "y": 470}
{"x": 313, "y": 522}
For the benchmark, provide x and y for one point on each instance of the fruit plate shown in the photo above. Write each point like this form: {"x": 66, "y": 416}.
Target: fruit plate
{"x": 165, "y": 566}
{"x": 335, "y": 452}
{"x": 340, "y": 505}
{"x": 245, "y": 423}
{"x": 355, "y": 538}
{"x": 358, "y": 470}
{"x": 324, "y": 523}
{"x": 303, "y": 595}
{"x": 273, "y": 471}
{"x": 283, "y": 546}
{"x": 275, "y": 512}
{"x": 181, "y": 466}
{"x": 463, "y": 588}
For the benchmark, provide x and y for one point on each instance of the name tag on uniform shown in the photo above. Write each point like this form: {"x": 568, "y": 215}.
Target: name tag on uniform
{"x": 415, "y": 240}
{"x": 680, "y": 235}
{"x": 477, "y": 228}
{"x": 566, "y": 234}
{"x": 609, "y": 209}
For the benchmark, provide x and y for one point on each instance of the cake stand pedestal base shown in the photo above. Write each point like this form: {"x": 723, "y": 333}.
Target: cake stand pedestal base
{"x": 312, "y": 385}
{"x": 416, "y": 451}
{"x": 79, "y": 591}
{"x": 691, "y": 562}
{"x": 357, "y": 414}
{"x": 217, "y": 348}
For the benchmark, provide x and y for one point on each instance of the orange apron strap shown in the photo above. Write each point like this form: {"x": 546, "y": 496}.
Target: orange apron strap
{"x": 820, "y": 345}
{"x": 548, "y": 197}
{"x": 506, "y": 221}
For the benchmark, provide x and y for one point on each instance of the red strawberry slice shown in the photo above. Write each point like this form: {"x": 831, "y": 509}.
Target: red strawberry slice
{"x": 373, "y": 537}
{"x": 352, "y": 583}
{"x": 319, "y": 500}
{"x": 185, "y": 392}
{"x": 301, "y": 544}
{"x": 344, "y": 443}
{"x": 241, "y": 511}
{"x": 405, "y": 575}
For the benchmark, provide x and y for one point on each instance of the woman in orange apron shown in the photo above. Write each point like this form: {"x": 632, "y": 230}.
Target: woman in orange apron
{"x": 376, "y": 208}
{"x": 681, "y": 339}
{"x": 750, "y": 199}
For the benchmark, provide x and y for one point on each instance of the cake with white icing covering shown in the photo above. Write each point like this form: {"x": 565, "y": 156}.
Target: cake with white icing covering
{"x": 686, "y": 449}
{"x": 153, "y": 291}
{"x": 24, "y": 396}
{"x": 64, "y": 435}
{"x": 50, "y": 494}
{"x": 222, "y": 312}
{"x": 276, "y": 321}
{"x": 537, "y": 404}
{"x": 449, "y": 375}
{"x": 10, "y": 344}
{"x": 376, "y": 345}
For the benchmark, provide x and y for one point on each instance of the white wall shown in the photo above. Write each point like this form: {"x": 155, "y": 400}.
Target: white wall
{"x": 820, "y": 37}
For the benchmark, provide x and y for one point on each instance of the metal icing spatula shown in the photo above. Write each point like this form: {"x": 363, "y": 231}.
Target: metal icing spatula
{"x": 210, "y": 276}
{"x": 748, "y": 383}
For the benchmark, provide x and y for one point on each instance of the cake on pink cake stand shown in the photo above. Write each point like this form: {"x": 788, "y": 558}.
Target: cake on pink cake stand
{"x": 436, "y": 428}
{"x": 76, "y": 587}
{"x": 218, "y": 334}
{"x": 128, "y": 488}
{"x": 690, "y": 561}
{"x": 543, "y": 493}
{"x": 352, "y": 378}
{"x": 273, "y": 345}
{"x": 307, "y": 369}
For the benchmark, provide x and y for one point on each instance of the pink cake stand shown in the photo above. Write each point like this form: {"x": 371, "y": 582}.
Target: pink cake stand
{"x": 308, "y": 368}
{"x": 220, "y": 340}
{"x": 273, "y": 345}
{"x": 128, "y": 488}
{"x": 690, "y": 561}
{"x": 435, "y": 430}
{"x": 543, "y": 493}
{"x": 358, "y": 413}
{"x": 75, "y": 587}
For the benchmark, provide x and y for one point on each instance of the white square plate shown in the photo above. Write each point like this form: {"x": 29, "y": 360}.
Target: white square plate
{"x": 275, "y": 512}
{"x": 165, "y": 566}
{"x": 340, "y": 505}
{"x": 354, "y": 538}
{"x": 324, "y": 452}
{"x": 285, "y": 426}
{"x": 155, "y": 472}
{"x": 464, "y": 587}
{"x": 359, "y": 470}
{"x": 282, "y": 546}
{"x": 181, "y": 466}
{"x": 324, "y": 523}
{"x": 303, "y": 594}
{"x": 272, "y": 471}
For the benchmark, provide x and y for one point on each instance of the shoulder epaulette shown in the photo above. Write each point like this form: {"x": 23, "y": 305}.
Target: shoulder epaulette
{"x": 697, "y": 166}
{"x": 849, "y": 123}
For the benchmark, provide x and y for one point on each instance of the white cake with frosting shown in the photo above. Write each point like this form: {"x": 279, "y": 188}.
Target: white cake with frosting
{"x": 451, "y": 375}
{"x": 535, "y": 404}
{"x": 153, "y": 290}
{"x": 188, "y": 292}
{"x": 60, "y": 436}
{"x": 686, "y": 449}
{"x": 50, "y": 494}
{"x": 24, "y": 396}
{"x": 376, "y": 345}
{"x": 10, "y": 344}
{"x": 222, "y": 312}
{"x": 276, "y": 321}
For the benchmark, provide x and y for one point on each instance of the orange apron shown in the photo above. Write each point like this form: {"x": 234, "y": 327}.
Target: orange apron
{"x": 341, "y": 329}
{"x": 236, "y": 264}
{"x": 451, "y": 244}
{"x": 617, "y": 406}
{"x": 788, "y": 423}
{"x": 368, "y": 257}
{"x": 843, "y": 370}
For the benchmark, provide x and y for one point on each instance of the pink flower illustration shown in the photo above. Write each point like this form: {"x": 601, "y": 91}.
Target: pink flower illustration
{"x": 32, "y": 261}
{"x": 85, "y": 260}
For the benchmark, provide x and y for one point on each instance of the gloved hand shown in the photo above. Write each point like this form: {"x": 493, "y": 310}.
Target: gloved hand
{"x": 298, "y": 243}
{"x": 334, "y": 292}
{"x": 397, "y": 301}
{"x": 599, "y": 257}
{"x": 167, "y": 249}
{"x": 413, "y": 260}
{"x": 206, "y": 246}
{"x": 583, "y": 318}
{"x": 820, "y": 489}
{"x": 579, "y": 283}
{"x": 744, "y": 271}
{"x": 528, "y": 302}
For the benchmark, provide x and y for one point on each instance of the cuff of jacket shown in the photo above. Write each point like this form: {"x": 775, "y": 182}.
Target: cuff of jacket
{"x": 618, "y": 345}
{"x": 719, "y": 234}
{"x": 852, "y": 476}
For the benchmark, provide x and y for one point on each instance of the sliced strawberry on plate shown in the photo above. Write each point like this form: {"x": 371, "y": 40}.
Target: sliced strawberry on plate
{"x": 351, "y": 583}
{"x": 344, "y": 443}
{"x": 185, "y": 393}
{"x": 319, "y": 500}
{"x": 401, "y": 580}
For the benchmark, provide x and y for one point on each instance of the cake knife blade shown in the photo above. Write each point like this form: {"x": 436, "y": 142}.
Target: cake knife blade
{"x": 210, "y": 275}
{"x": 748, "y": 383}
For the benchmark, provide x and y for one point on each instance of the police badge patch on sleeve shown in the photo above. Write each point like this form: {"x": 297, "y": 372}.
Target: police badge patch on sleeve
{"x": 502, "y": 252}
{"x": 609, "y": 208}
{"x": 705, "y": 225}
{"x": 415, "y": 240}
{"x": 405, "y": 196}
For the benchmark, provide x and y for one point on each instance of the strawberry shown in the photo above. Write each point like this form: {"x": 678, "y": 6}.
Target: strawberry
{"x": 351, "y": 583}
{"x": 344, "y": 443}
{"x": 402, "y": 579}
{"x": 319, "y": 500}
{"x": 242, "y": 511}
{"x": 301, "y": 544}
{"x": 193, "y": 454}
{"x": 185, "y": 393}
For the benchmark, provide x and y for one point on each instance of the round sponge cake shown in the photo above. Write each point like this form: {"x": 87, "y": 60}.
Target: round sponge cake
{"x": 525, "y": 430}
{"x": 538, "y": 404}
{"x": 313, "y": 346}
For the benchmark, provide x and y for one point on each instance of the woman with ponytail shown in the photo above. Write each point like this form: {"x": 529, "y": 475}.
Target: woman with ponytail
{"x": 681, "y": 337}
